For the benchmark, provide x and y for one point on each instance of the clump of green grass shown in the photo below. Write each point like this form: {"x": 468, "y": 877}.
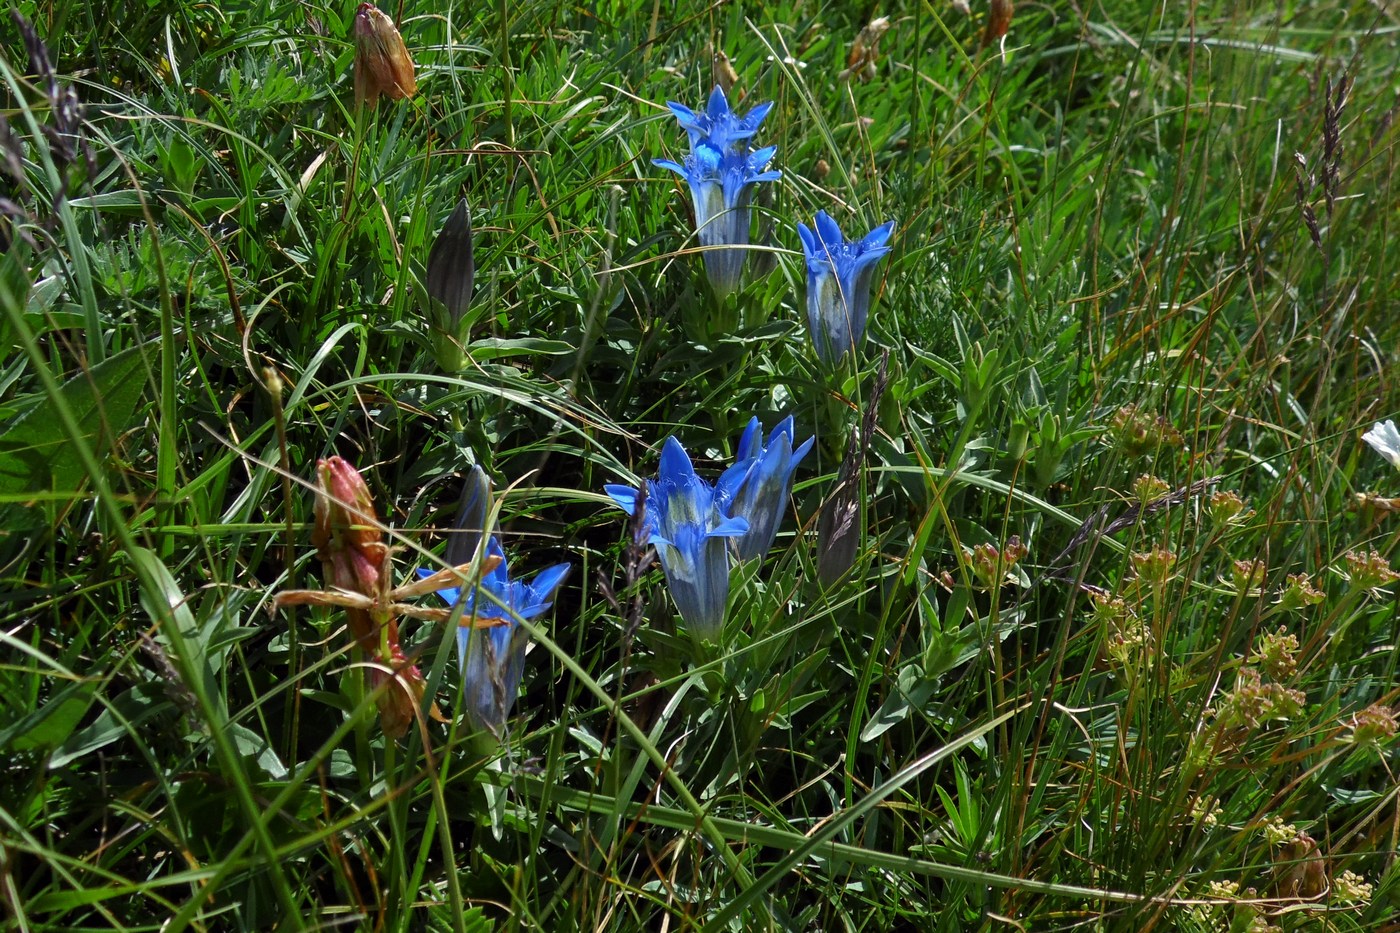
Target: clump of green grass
{"x": 1117, "y": 642}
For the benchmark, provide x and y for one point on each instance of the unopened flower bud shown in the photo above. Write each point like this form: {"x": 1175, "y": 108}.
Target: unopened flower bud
{"x": 451, "y": 265}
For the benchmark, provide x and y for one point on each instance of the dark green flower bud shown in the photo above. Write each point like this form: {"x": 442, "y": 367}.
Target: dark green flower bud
{"x": 451, "y": 267}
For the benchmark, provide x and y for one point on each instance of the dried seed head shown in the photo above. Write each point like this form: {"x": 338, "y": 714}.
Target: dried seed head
{"x": 865, "y": 51}
{"x": 382, "y": 62}
{"x": 999, "y": 14}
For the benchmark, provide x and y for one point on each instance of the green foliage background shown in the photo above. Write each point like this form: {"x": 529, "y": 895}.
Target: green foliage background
{"x": 1132, "y": 212}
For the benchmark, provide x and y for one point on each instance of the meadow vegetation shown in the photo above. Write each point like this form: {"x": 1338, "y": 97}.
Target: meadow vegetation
{"x": 1080, "y": 613}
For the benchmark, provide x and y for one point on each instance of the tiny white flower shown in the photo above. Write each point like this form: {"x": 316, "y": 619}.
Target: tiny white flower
{"x": 1385, "y": 438}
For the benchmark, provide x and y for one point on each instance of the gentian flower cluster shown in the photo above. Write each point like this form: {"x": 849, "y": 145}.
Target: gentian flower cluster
{"x": 722, "y": 169}
{"x": 838, "y": 284}
{"x": 696, "y": 528}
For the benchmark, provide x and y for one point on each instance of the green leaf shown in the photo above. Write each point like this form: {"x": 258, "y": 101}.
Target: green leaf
{"x": 50, "y": 724}
{"x": 911, "y": 692}
{"x": 476, "y": 921}
{"x": 493, "y": 348}
{"x": 127, "y": 712}
{"x": 35, "y": 450}
{"x": 252, "y": 745}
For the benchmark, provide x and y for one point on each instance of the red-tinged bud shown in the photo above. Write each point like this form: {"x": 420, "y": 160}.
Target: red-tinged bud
{"x": 345, "y": 517}
{"x": 347, "y": 535}
{"x": 382, "y": 63}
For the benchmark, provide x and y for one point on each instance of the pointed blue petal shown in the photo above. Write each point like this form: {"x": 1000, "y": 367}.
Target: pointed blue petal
{"x": 878, "y": 237}
{"x": 717, "y": 107}
{"x": 749, "y": 440}
{"x": 624, "y": 496}
{"x": 682, "y": 113}
{"x": 731, "y": 481}
{"x": 756, "y": 115}
{"x": 801, "y": 452}
{"x": 830, "y": 234}
{"x": 450, "y": 594}
{"x": 729, "y": 528}
{"x": 546, "y": 582}
{"x": 675, "y": 463}
{"x": 673, "y": 166}
{"x": 781, "y": 428}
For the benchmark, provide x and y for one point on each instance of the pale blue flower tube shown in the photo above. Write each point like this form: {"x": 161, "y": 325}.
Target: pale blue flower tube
{"x": 839, "y": 275}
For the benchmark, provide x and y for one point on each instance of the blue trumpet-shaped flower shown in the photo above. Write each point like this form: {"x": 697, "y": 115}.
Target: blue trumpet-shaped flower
{"x": 684, "y": 520}
{"x": 838, "y": 284}
{"x": 721, "y": 169}
{"x": 721, "y": 188}
{"x": 493, "y": 659}
{"x": 756, "y": 487}
{"x": 718, "y": 126}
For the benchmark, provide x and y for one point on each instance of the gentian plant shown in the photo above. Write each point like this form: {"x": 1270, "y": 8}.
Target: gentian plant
{"x": 756, "y": 488}
{"x": 838, "y": 284}
{"x": 721, "y": 170}
{"x": 493, "y": 659}
{"x": 684, "y": 519}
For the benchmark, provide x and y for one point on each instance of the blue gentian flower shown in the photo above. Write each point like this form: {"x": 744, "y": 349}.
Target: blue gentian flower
{"x": 684, "y": 520}
{"x": 756, "y": 487}
{"x": 492, "y": 659}
{"x": 838, "y": 284}
{"x": 721, "y": 169}
{"x": 718, "y": 126}
{"x": 721, "y": 189}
